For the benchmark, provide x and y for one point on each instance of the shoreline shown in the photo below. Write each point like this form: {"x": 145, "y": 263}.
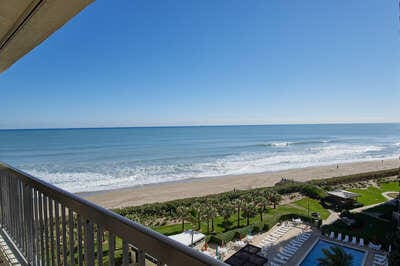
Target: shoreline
{"x": 194, "y": 187}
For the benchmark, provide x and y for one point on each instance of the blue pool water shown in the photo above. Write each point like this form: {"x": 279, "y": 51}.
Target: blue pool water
{"x": 316, "y": 252}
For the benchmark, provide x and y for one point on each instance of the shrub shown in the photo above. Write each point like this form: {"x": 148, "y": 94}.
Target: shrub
{"x": 230, "y": 235}
{"x": 313, "y": 191}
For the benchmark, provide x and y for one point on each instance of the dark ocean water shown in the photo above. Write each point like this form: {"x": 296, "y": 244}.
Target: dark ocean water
{"x": 105, "y": 158}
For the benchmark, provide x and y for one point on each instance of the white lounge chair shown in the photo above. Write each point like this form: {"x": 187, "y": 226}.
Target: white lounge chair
{"x": 354, "y": 240}
{"x": 361, "y": 242}
{"x": 339, "y": 237}
{"x": 379, "y": 259}
{"x": 282, "y": 256}
{"x": 300, "y": 240}
{"x": 287, "y": 253}
{"x": 279, "y": 260}
{"x": 291, "y": 248}
{"x": 274, "y": 264}
{"x": 346, "y": 238}
{"x": 380, "y": 256}
{"x": 294, "y": 244}
{"x": 332, "y": 235}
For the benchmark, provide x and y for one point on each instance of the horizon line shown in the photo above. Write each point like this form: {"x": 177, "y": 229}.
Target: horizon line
{"x": 200, "y": 125}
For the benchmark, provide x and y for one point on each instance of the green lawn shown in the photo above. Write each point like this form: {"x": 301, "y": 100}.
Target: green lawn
{"x": 369, "y": 196}
{"x": 390, "y": 186}
{"x": 373, "y": 195}
{"x": 315, "y": 206}
{"x": 270, "y": 217}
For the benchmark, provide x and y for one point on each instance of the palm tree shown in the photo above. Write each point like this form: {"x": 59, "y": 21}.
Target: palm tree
{"x": 213, "y": 213}
{"x": 183, "y": 213}
{"x": 198, "y": 208}
{"x": 238, "y": 203}
{"x": 261, "y": 204}
{"x": 274, "y": 198}
{"x": 226, "y": 210}
{"x": 248, "y": 210}
{"x": 335, "y": 256}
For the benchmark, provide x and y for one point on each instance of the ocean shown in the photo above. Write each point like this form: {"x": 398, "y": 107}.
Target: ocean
{"x": 95, "y": 159}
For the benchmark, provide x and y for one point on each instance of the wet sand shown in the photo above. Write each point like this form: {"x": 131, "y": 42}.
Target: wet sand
{"x": 139, "y": 195}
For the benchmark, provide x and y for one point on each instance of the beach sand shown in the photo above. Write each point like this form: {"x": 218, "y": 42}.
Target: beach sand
{"x": 139, "y": 195}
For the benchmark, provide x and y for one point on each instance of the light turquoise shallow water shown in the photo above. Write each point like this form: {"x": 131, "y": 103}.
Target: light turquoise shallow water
{"x": 96, "y": 159}
{"x": 316, "y": 252}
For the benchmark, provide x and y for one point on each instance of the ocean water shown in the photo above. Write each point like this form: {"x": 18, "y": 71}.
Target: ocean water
{"x": 105, "y": 158}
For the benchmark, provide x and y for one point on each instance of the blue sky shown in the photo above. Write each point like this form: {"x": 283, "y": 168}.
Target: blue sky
{"x": 144, "y": 63}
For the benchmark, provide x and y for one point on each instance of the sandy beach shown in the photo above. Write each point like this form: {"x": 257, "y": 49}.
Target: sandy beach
{"x": 134, "y": 196}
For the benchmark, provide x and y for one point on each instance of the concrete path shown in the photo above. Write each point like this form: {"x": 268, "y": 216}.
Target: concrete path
{"x": 333, "y": 217}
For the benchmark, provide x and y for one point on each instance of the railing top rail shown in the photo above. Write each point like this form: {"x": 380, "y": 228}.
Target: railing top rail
{"x": 151, "y": 242}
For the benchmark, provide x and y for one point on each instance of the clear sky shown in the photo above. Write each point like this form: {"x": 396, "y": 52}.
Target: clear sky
{"x": 144, "y": 63}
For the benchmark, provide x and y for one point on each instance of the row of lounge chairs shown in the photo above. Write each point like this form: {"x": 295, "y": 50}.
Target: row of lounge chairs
{"x": 346, "y": 239}
{"x": 290, "y": 249}
{"x": 380, "y": 260}
{"x": 373, "y": 246}
{"x": 271, "y": 238}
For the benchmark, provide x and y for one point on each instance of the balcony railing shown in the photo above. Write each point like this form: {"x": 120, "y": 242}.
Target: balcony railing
{"x": 50, "y": 226}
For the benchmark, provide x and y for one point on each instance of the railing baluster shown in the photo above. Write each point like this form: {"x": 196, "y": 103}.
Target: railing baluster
{"x": 71, "y": 236}
{"x": 89, "y": 243}
{"x": 57, "y": 224}
{"x": 37, "y": 226}
{"x": 141, "y": 258}
{"x": 46, "y": 228}
{"x": 99, "y": 245}
{"x": 51, "y": 221}
{"x": 30, "y": 225}
{"x": 125, "y": 253}
{"x": 79, "y": 231}
{"x": 42, "y": 249}
{"x": 64, "y": 235}
{"x": 111, "y": 248}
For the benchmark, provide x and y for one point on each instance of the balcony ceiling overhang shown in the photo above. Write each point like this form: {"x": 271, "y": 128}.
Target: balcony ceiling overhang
{"x": 24, "y": 24}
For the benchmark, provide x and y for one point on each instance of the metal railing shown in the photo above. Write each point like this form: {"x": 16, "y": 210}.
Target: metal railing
{"x": 50, "y": 226}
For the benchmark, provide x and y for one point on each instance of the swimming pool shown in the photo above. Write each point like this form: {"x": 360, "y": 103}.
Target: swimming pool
{"x": 316, "y": 252}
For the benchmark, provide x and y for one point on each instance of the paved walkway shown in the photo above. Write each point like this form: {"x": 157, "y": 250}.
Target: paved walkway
{"x": 333, "y": 217}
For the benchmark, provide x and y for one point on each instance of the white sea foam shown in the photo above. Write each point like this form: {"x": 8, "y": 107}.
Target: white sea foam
{"x": 109, "y": 175}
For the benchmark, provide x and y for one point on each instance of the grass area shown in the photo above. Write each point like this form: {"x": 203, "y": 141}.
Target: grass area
{"x": 315, "y": 206}
{"x": 270, "y": 217}
{"x": 390, "y": 186}
{"x": 369, "y": 196}
{"x": 373, "y": 195}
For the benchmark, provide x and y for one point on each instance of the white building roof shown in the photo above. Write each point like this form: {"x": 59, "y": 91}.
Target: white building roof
{"x": 344, "y": 194}
{"x": 186, "y": 237}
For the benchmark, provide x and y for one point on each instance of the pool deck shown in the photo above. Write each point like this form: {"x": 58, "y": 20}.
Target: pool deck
{"x": 306, "y": 248}
{"x": 303, "y": 251}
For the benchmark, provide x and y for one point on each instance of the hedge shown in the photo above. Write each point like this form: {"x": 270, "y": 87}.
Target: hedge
{"x": 311, "y": 189}
{"x": 291, "y": 216}
{"x": 333, "y": 181}
{"x": 238, "y": 233}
